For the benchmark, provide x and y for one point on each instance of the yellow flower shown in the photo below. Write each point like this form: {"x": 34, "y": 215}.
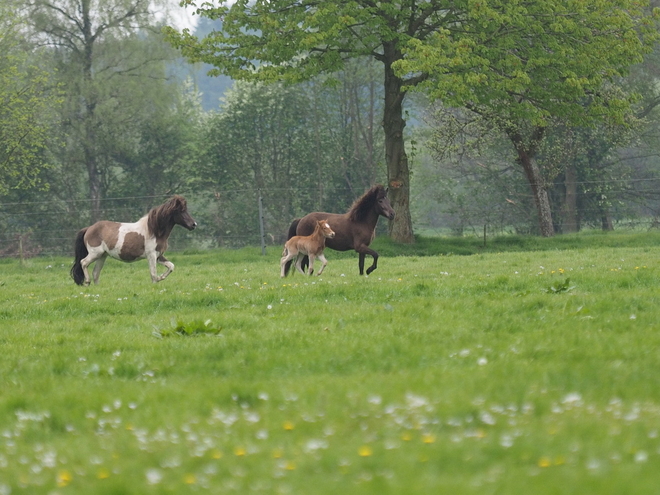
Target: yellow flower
{"x": 544, "y": 462}
{"x": 239, "y": 451}
{"x": 189, "y": 479}
{"x": 428, "y": 438}
{"x": 365, "y": 451}
{"x": 405, "y": 436}
{"x": 277, "y": 453}
{"x": 64, "y": 478}
{"x": 103, "y": 474}
{"x": 216, "y": 454}
{"x": 288, "y": 426}
{"x": 290, "y": 465}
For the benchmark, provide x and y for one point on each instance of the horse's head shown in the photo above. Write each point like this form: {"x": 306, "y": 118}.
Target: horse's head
{"x": 325, "y": 229}
{"x": 383, "y": 204}
{"x": 180, "y": 215}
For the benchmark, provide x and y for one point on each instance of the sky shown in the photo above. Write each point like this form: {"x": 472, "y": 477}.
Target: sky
{"x": 183, "y": 17}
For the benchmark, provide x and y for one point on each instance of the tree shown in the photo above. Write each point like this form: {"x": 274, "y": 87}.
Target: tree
{"x": 27, "y": 98}
{"x": 109, "y": 58}
{"x": 295, "y": 41}
{"x": 523, "y": 64}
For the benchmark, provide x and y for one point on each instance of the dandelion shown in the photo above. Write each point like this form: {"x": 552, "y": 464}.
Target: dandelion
{"x": 288, "y": 426}
{"x": 189, "y": 479}
{"x": 406, "y": 437}
{"x": 290, "y": 466}
{"x": 63, "y": 478}
{"x": 365, "y": 451}
{"x": 428, "y": 438}
{"x": 544, "y": 462}
{"x": 239, "y": 451}
{"x": 103, "y": 474}
{"x": 277, "y": 453}
{"x": 216, "y": 454}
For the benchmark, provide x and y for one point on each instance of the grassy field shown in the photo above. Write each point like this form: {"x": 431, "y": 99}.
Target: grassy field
{"x": 529, "y": 366}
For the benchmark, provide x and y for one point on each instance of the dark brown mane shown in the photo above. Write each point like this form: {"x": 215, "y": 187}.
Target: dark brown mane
{"x": 160, "y": 220}
{"x": 365, "y": 203}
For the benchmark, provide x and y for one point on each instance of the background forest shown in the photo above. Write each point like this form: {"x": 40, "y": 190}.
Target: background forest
{"x": 101, "y": 118}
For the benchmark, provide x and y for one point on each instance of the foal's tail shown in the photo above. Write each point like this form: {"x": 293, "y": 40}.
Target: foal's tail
{"x": 80, "y": 251}
{"x": 292, "y": 232}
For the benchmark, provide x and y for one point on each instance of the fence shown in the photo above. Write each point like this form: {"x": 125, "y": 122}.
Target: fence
{"x": 247, "y": 217}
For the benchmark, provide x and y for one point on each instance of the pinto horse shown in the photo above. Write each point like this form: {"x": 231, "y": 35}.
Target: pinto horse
{"x": 146, "y": 238}
{"x": 310, "y": 245}
{"x": 354, "y": 229}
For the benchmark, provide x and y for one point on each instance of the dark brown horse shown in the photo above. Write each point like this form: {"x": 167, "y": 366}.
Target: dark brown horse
{"x": 146, "y": 238}
{"x": 354, "y": 229}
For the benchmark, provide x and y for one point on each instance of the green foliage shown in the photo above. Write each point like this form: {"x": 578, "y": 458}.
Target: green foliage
{"x": 535, "y": 61}
{"x": 27, "y": 102}
{"x": 195, "y": 327}
{"x": 435, "y": 374}
{"x": 561, "y": 287}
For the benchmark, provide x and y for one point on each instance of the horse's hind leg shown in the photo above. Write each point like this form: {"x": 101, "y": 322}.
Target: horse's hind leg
{"x": 92, "y": 256}
{"x": 98, "y": 266}
{"x": 168, "y": 264}
{"x": 286, "y": 258}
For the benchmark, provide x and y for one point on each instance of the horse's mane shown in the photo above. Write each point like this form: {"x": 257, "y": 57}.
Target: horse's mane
{"x": 365, "y": 203}
{"x": 159, "y": 219}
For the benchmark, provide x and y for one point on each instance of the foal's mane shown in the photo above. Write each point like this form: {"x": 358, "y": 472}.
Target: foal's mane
{"x": 365, "y": 203}
{"x": 160, "y": 220}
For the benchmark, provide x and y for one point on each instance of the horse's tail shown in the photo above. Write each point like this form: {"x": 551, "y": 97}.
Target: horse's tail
{"x": 80, "y": 251}
{"x": 292, "y": 232}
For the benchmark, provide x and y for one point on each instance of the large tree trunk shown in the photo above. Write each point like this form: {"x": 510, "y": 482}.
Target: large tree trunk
{"x": 540, "y": 194}
{"x": 398, "y": 173}
{"x": 526, "y": 150}
{"x": 569, "y": 208}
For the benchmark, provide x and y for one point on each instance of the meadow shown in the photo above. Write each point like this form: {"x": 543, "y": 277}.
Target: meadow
{"x": 526, "y": 366}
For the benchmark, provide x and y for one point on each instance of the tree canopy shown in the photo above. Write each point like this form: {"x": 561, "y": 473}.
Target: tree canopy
{"x": 27, "y": 97}
{"x": 522, "y": 65}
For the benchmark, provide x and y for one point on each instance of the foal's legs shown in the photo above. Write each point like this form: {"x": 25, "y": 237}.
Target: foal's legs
{"x": 324, "y": 261}
{"x": 311, "y": 265}
{"x": 299, "y": 259}
{"x": 286, "y": 257}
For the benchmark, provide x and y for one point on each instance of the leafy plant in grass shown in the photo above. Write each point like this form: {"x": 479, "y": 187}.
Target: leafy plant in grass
{"x": 195, "y": 327}
{"x": 560, "y": 287}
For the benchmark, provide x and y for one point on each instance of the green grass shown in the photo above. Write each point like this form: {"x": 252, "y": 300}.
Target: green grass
{"x": 530, "y": 366}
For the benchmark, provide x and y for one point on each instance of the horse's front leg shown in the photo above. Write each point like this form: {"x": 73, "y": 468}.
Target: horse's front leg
{"x": 323, "y": 265}
{"x": 168, "y": 264}
{"x": 364, "y": 250}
